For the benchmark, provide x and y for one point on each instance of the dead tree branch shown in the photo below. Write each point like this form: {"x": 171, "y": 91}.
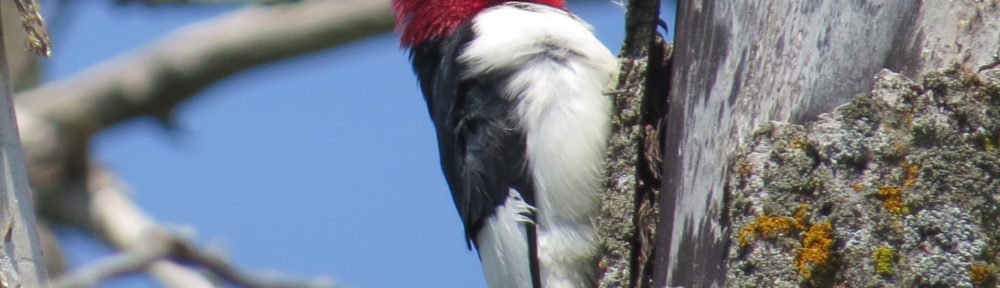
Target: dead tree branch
{"x": 154, "y": 79}
{"x": 148, "y": 246}
{"x": 59, "y": 118}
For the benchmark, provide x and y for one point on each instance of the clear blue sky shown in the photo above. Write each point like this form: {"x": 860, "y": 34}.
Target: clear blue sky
{"x": 321, "y": 165}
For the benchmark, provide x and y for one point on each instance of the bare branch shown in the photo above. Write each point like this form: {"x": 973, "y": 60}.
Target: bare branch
{"x": 151, "y": 81}
{"x": 124, "y": 225}
{"x": 149, "y": 247}
{"x": 59, "y": 119}
{"x": 131, "y": 261}
{"x": 186, "y": 251}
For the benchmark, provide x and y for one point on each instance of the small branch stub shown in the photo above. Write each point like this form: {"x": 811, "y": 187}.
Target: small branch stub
{"x": 34, "y": 27}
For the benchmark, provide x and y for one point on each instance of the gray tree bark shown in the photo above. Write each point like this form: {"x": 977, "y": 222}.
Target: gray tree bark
{"x": 898, "y": 188}
{"x": 740, "y": 64}
{"x": 21, "y": 261}
{"x": 627, "y": 224}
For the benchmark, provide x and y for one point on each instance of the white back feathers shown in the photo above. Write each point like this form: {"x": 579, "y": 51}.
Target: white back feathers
{"x": 559, "y": 71}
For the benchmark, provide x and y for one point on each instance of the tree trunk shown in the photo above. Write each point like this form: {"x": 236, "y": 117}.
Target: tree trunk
{"x": 628, "y": 214}
{"x": 21, "y": 262}
{"x": 740, "y": 64}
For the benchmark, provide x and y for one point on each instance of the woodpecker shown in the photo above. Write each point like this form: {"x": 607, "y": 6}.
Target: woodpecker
{"x": 515, "y": 92}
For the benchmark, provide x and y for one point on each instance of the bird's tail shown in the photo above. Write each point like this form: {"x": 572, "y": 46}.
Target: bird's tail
{"x": 507, "y": 245}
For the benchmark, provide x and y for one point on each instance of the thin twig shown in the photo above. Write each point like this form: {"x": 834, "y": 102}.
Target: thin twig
{"x": 185, "y": 251}
{"x": 128, "y": 262}
{"x": 34, "y": 27}
{"x": 160, "y": 245}
{"x": 150, "y": 247}
{"x": 993, "y": 64}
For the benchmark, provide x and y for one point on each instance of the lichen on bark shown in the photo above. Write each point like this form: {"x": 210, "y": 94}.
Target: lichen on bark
{"x": 907, "y": 176}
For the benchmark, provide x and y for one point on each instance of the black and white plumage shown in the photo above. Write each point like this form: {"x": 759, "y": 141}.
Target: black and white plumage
{"x": 515, "y": 91}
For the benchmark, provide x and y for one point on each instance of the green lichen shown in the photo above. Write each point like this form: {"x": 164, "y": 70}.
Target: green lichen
{"x": 882, "y": 259}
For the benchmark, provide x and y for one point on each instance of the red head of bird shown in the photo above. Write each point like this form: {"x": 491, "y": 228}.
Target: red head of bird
{"x": 420, "y": 20}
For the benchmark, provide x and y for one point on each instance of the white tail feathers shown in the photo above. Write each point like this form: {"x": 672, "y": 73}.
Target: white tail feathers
{"x": 503, "y": 244}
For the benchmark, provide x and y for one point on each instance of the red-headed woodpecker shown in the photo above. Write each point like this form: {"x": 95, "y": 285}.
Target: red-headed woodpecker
{"x": 515, "y": 91}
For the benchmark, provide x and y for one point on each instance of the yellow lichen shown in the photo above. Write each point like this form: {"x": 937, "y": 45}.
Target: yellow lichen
{"x": 988, "y": 145}
{"x": 746, "y": 235}
{"x": 980, "y": 273}
{"x": 912, "y": 172}
{"x": 798, "y": 143}
{"x": 744, "y": 168}
{"x": 815, "y": 252}
{"x": 892, "y": 196}
{"x": 771, "y": 226}
{"x": 858, "y": 187}
{"x": 764, "y": 226}
{"x": 899, "y": 148}
{"x": 802, "y": 216}
{"x": 971, "y": 79}
{"x": 882, "y": 258}
{"x": 817, "y": 240}
{"x": 892, "y": 199}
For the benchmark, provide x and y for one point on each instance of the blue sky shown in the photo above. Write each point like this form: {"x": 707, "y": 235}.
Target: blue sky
{"x": 323, "y": 165}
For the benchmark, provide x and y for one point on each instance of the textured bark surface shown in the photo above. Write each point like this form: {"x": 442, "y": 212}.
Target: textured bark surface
{"x": 898, "y": 188}
{"x": 21, "y": 262}
{"x": 740, "y": 64}
{"x": 628, "y": 210}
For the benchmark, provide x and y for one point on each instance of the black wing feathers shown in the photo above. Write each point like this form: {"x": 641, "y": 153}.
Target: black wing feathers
{"x": 481, "y": 147}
